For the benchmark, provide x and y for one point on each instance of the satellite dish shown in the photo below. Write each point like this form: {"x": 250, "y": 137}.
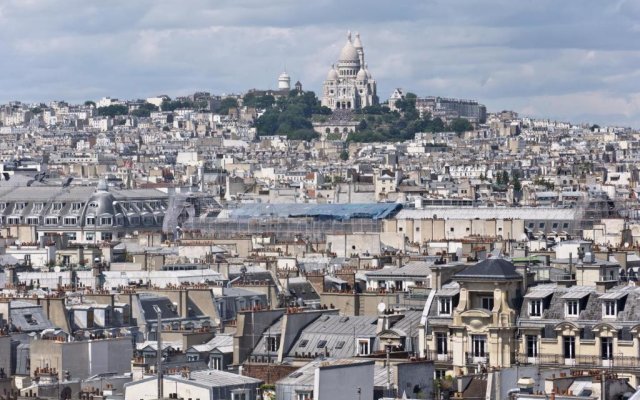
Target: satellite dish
{"x": 626, "y": 244}
{"x": 56, "y": 268}
{"x": 381, "y": 307}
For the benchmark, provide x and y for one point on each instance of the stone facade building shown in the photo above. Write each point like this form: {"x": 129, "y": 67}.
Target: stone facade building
{"x": 350, "y": 86}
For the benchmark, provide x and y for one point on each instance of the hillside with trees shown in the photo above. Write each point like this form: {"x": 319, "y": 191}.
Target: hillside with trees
{"x": 380, "y": 124}
{"x": 289, "y": 116}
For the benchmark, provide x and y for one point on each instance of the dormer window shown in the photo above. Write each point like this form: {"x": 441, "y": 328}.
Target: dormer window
{"x": 609, "y": 308}
{"x": 487, "y": 303}
{"x": 363, "y": 347}
{"x": 272, "y": 343}
{"x": 572, "y": 308}
{"x": 57, "y": 206}
{"x": 535, "y": 308}
{"x": 444, "y": 306}
{"x": 575, "y": 302}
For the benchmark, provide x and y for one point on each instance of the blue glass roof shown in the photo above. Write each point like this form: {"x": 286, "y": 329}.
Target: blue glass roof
{"x": 320, "y": 211}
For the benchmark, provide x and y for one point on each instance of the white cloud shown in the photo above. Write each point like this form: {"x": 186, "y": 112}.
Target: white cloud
{"x": 561, "y": 58}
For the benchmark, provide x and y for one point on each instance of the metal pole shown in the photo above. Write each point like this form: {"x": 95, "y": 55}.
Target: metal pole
{"x": 159, "y": 352}
{"x": 388, "y": 346}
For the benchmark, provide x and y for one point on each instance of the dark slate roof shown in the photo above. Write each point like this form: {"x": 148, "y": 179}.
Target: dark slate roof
{"x": 169, "y": 311}
{"x": 303, "y": 289}
{"x": 491, "y": 268}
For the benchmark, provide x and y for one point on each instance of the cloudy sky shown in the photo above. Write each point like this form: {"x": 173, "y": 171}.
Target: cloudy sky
{"x": 576, "y": 60}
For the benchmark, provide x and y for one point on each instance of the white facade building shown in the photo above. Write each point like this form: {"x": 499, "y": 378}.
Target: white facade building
{"x": 351, "y": 85}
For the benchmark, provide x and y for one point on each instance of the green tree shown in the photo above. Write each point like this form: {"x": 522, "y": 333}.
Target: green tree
{"x": 260, "y": 102}
{"x": 460, "y": 125}
{"x": 505, "y": 177}
{"x": 226, "y": 104}
{"x": 90, "y": 103}
{"x": 517, "y": 186}
{"x": 344, "y": 155}
{"x": 144, "y": 110}
{"x": 172, "y": 105}
{"x": 113, "y": 110}
{"x": 267, "y": 124}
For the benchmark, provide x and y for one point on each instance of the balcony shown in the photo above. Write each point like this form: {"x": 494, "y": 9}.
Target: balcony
{"x": 475, "y": 359}
{"x": 618, "y": 361}
{"x": 433, "y": 355}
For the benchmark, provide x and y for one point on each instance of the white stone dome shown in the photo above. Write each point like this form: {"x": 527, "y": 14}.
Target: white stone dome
{"x": 284, "y": 81}
{"x": 362, "y": 75}
{"x": 357, "y": 43}
{"x": 332, "y": 75}
{"x": 349, "y": 53}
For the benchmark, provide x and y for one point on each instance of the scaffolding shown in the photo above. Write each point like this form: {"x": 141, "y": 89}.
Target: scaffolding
{"x": 282, "y": 229}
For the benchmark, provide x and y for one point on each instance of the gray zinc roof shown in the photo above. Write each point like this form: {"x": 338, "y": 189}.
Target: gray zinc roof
{"x": 491, "y": 268}
{"x": 338, "y": 332}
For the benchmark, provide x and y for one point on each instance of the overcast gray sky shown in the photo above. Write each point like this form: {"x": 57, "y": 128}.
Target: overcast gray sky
{"x": 576, "y": 60}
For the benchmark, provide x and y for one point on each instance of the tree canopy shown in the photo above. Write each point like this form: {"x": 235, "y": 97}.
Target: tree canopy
{"x": 226, "y": 104}
{"x": 291, "y": 116}
{"x": 259, "y": 102}
{"x": 144, "y": 110}
{"x": 113, "y": 110}
{"x": 379, "y": 123}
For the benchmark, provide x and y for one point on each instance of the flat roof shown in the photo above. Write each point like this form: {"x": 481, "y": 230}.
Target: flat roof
{"x": 524, "y": 213}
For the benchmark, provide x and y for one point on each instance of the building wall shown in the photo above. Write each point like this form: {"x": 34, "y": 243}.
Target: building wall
{"x": 83, "y": 358}
{"x": 345, "y": 245}
{"x": 250, "y": 326}
{"x": 343, "y": 382}
{"x": 426, "y": 230}
{"x": 5, "y": 355}
{"x": 414, "y": 374}
{"x": 148, "y": 389}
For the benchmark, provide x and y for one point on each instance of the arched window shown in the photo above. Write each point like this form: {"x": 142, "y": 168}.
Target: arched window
{"x": 328, "y": 130}
{"x": 336, "y": 130}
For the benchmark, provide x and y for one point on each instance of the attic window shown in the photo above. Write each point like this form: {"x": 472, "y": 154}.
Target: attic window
{"x": 340, "y": 344}
{"x": 572, "y": 308}
{"x": 322, "y": 344}
{"x": 609, "y": 308}
{"x": 272, "y": 343}
{"x": 303, "y": 343}
{"x": 30, "y": 320}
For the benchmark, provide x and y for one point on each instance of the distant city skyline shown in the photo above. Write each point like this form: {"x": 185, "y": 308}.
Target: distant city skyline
{"x": 573, "y": 60}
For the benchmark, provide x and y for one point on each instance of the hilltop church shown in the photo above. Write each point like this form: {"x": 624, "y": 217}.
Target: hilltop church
{"x": 350, "y": 86}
